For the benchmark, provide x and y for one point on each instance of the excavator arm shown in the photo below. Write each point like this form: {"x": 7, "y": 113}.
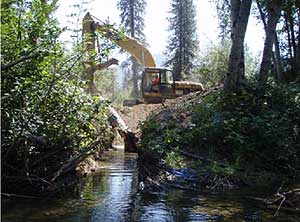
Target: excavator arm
{"x": 130, "y": 45}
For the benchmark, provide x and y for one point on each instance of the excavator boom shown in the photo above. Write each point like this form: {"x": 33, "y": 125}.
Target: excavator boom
{"x": 130, "y": 45}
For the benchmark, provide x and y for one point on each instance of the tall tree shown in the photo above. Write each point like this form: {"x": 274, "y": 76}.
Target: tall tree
{"x": 286, "y": 43}
{"x": 273, "y": 9}
{"x": 276, "y": 56}
{"x": 183, "y": 42}
{"x": 223, "y": 12}
{"x": 132, "y": 18}
{"x": 292, "y": 20}
{"x": 240, "y": 11}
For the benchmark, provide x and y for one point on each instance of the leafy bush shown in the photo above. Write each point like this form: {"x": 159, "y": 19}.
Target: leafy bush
{"x": 243, "y": 129}
{"x": 46, "y": 115}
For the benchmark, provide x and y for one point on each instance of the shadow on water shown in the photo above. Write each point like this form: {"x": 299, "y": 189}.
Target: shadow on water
{"x": 111, "y": 195}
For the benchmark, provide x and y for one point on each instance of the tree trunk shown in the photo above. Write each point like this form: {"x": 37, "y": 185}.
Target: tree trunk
{"x": 293, "y": 38}
{"x": 135, "y": 77}
{"x": 241, "y": 77}
{"x": 276, "y": 57}
{"x": 132, "y": 28}
{"x": 135, "y": 65}
{"x": 178, "y": 67}
{"x": 89, "y": 58}
{"x": 298, "y": 47}
{"x": 89, "y": 55}
{"x": 274, "y": 14}
{"x": 235, "y": 9}
{"x": 240, "y": 11}
{"x": 287, "y": 26}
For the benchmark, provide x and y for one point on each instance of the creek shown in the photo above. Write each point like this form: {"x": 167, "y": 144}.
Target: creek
{"x": 112, "y": 195}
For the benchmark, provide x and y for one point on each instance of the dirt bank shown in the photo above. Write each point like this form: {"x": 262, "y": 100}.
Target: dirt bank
{"x": 135, "y": 114}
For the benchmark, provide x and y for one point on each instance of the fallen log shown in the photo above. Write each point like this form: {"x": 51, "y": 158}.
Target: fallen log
{"x": 287, "y": 201}
{"x": 130, "y": 139}
{"x": 74, "y": 161}
{"x": 286, "y": 209}
{"x": 194, "y": 156}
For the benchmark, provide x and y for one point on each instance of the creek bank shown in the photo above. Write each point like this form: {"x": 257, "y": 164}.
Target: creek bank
{"x": 165, "y": 165}
{"x": 156, "y": 175}
{"x": 60, "y": 170}
{"x": 214, "y": 141}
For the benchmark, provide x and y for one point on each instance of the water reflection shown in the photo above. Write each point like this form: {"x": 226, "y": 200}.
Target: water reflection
{"x": 121, "y": 178}
{"x": 111, "y": 195}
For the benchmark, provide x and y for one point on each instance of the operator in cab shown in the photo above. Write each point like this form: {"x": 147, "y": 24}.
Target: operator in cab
{"x": 155, "y": 81}
{"x": 155, "y": 84}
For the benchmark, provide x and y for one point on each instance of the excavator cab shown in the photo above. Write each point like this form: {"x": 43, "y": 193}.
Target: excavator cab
{"x": 157, "y": 84}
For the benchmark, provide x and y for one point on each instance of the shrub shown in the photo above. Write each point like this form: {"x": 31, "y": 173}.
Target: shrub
{"x": 242, "y": 129}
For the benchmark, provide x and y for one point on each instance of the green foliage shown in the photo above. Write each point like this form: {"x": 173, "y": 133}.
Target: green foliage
{"x": 105, "y": 81}
{"x": 183, "y": 42}
{"x": 151, "y": 131}
{"x": 252, "y": 63}
{"x": 159, "y": 137}
{"x": 109, "y": 88}
{"x": 248, "y": 134}
{"x": 174, "y": 160}
{"x": 212, "y": 64}
{"x": 46, "y": 115}
{"x": 243, "y": 130}
{"x": 221, "y": 170}
{"x": 223, "y": 12}
{"x": 132, "y": 18}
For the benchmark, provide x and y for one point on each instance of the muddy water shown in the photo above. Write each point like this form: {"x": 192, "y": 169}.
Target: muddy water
{"x": 111, "y": 195}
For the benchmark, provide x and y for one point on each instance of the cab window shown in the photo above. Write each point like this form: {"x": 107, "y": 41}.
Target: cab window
{"x": 166, "y": 77}
{"x": 148, "y": 80}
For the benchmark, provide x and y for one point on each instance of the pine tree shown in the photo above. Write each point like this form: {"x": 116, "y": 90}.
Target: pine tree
{"x": 223, "y": 13}
{"x": 132, "y": 18}
{"x": 183, "y": 43}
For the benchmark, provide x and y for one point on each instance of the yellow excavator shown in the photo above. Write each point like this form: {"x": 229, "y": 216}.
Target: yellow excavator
{"x": 158, "y": 84}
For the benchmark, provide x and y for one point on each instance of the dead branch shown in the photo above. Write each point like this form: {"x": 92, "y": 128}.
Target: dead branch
{"x": 288, "y": 201}
{"x": 283, "y": 198}
{"x": 179, "y": 186}
{"x": 73, "y": 161}
{"x": 192, "y": 156}
{"x": 106, "y": 64}
{"x": 9, "y": 195}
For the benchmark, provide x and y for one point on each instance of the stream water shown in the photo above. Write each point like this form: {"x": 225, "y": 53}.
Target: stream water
{"x": 111, "y": 195}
